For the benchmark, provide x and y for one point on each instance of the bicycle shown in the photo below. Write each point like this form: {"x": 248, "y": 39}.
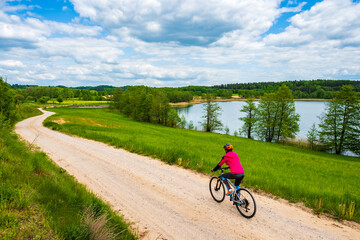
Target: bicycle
{"x": 242, "y": 198}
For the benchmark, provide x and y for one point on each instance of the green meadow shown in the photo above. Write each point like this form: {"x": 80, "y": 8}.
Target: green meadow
{"x": 77, "y": 102}
{"x": 327, "y": 183}
{"x": 39, "y": 200}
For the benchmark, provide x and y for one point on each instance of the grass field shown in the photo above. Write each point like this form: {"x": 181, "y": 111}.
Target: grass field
{"x": 39, "y": 200}
{"x": 325, "y": 182}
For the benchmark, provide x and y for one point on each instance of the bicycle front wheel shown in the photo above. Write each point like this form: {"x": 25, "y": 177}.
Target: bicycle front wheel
{"x": 217, "y": 189}
{"x": 245, "y": 203}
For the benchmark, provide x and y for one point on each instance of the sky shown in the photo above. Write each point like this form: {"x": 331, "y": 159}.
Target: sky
{"x": 171, "y": 43}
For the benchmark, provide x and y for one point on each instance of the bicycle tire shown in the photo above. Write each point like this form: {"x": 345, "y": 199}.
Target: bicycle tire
{"x": 217, "y": 189}
{"x": 248, "y": 206}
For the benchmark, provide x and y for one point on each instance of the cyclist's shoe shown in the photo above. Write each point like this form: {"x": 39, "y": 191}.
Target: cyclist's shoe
{"x": 230, "y": 192}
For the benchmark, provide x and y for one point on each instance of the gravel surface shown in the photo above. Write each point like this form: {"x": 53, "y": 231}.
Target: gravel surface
{"x": 169, "y": 202}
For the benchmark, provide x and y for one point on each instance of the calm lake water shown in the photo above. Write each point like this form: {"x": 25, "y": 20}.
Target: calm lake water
{"x": 309, "y": 112}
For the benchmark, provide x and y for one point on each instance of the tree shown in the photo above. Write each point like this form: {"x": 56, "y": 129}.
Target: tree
{"x": 59, "y": 99}
{"x": 212, "y": 112}
{"x": 267, "y": 116}
{"x": 173, "y": 118}
{"x": 147, "y": 107}
{"x": 250, "y": 119}
{"x": 116, "y": 99}
{"x": 182, "y": 122}
{"x": 8, "y": 114}
{"x": 288, "y": 121}
{"x": 312, "y": 136}
{"x": 191, "y": 125}
{"x": 339, "y": 127}
{"x": 19, "y": 99}
{"x": 227, "y": 130}
{"x": 277, "y": 119}
{"x": 43, "y": 100}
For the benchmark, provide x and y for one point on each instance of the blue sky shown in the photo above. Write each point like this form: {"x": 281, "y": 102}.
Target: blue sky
{"x": 177, "y": 42}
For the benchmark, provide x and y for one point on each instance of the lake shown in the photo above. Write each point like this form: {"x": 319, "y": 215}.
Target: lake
{"x": 309, "y": 112}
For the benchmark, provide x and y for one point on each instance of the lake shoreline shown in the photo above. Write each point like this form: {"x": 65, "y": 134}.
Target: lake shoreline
{"x": 308, "y": 110}
{"x": 234, "y": 98}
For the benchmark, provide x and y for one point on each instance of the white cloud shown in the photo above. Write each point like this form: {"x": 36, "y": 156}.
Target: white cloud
{"x": 25, "y": 80}
{"x": 82, "y": 50}
{"x": 187, "y": 22}
{"x": 331, "y": 22}
{"x": 29, "y": 32}
{"x": 11, "y": 64}
{"x": 174, "y": 43}
{"x": 153, "y": 27}
{"x": 13, "y": 34}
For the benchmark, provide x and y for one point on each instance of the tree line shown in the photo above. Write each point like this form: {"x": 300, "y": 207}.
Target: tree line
{"x": 317, "y": 89}
{"x": 40, "y": 94}
{"x": 321, "y": 89}
{"x": 145, "y": 104}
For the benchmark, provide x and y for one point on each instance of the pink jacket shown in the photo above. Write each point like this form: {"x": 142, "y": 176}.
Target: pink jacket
{"x": 232, "y": 160}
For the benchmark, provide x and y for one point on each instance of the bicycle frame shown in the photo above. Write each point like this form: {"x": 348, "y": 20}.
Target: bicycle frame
{"x": 241, "y": 198}
{"x": 237, "y": 193}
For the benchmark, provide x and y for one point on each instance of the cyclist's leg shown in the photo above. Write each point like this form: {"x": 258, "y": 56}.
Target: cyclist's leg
{"x": 225, "y": 177}
{"x": 238, "y": 179}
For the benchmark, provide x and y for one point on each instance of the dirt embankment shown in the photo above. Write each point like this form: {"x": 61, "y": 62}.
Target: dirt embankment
{"x": 168, "y": 202}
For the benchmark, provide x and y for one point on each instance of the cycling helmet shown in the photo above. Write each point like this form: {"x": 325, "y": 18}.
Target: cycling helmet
{"x": 228, "y": 147}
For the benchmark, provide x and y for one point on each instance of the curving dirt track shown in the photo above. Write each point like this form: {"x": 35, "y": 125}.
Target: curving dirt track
{"x": 168, "y": 202}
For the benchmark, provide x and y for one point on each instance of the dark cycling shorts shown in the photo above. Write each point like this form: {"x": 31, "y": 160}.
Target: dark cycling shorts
{"x": 238, "y": 177}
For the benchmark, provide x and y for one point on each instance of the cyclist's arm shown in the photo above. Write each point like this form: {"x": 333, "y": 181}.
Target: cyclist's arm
{"x": 218, "y": 166}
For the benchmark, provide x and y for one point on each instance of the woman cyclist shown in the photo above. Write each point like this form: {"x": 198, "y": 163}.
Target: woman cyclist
{"x": 236, "y": 170}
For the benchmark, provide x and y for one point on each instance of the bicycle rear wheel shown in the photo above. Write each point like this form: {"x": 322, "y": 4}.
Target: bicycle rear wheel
{"x": 245, "y": 203}
{"x": 217, "y": 189}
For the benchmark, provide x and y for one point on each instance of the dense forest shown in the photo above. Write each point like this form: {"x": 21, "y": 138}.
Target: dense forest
{"x": 323, "y": 89}
{"x": 317, "y": 89}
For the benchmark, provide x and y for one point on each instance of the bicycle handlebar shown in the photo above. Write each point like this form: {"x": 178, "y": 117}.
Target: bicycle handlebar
{"x": 224, "y": 168}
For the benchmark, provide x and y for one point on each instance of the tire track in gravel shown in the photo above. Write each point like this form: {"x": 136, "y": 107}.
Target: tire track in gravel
{"x": 168, "y": 202}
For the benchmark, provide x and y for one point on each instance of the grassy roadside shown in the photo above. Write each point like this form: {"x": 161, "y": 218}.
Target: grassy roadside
{"x": 28, "y": 111}
{"x": 327, "y": 183}
{"x": 39, "y": 200}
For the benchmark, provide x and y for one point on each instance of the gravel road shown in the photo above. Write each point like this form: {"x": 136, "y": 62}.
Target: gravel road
{"x": 168, "y": 202}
